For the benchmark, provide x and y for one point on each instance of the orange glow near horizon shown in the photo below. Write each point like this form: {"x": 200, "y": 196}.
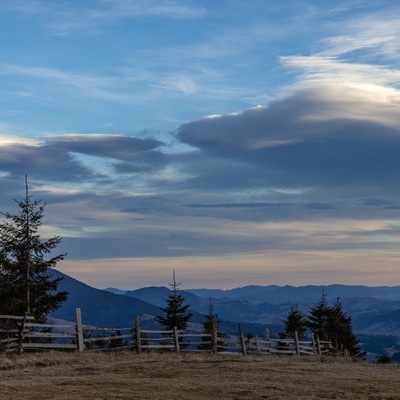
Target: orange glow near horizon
{"x": 227, "y": 272}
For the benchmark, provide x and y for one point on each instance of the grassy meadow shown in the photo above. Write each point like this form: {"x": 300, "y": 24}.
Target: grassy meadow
{"x": 125, "y": 375}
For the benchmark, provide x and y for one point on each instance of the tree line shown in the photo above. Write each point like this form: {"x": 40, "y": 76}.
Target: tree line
{"x": 329, "y": 322}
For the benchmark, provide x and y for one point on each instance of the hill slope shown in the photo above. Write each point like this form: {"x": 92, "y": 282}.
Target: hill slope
{"x": 99, "y": 307}
{"x": 106, "y": 309}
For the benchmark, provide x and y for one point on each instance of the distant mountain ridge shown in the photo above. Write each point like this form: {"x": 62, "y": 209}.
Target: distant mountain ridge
{"x": 309, "y": 293}
{"x": 117, "y": 308}
{"x": 278, "y": 294}
{"x": 375, "y": 311}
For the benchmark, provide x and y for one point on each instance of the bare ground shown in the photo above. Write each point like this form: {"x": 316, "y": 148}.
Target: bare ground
{"x": 192, "y": 377}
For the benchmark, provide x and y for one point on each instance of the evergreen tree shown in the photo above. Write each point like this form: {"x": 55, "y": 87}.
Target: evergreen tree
{"x": 294, "y": 321}
{"x": 26, "y": 284}
{"x": 210, "y": 319}
{"x": 318, "y": 318}
{"x": 341, "y": 331}
{"x": 175, "y": 312}
{"x": 332, "y": 323}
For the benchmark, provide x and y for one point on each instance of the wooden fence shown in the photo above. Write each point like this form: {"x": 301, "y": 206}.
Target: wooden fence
{"x": 23, "y": 334}
{"x": 256, "y": 345}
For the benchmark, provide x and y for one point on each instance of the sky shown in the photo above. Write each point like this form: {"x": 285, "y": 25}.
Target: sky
{"x": 235, "y": 142}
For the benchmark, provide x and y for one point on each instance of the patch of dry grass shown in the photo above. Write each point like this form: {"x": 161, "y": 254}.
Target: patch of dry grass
{"x": 192, "y": 377}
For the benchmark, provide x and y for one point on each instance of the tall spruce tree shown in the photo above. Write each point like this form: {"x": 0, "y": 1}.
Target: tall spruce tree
{"x": 210, "y": 319}
{"x": 295, "y": 321}
{"x": 318, "y": 318}
{"x": 175, "y": 312}
{"x": 26, "y": 284}
{"x": 341, "y": 331}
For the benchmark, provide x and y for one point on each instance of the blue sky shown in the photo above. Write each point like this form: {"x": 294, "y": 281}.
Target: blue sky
{"x": 236, "y": 142}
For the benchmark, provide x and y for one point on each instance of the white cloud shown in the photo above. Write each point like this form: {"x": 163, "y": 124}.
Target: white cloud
{"x": 7, "y": 140}
{"x": 322, "y": 70}
{"x": 372, "y": 36}
{"x": 359, "y": 56}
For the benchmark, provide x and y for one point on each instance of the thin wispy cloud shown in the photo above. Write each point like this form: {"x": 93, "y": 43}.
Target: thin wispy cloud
{"x": 63, "y": 18}
{"x": 184, "y": 84}
{"x": 101, "y": 87}
{"x": 359, "y": 55}
{"x": 162, "y": 8}
{"x": 372, "y": 37}
{"x": 329, "y": 69}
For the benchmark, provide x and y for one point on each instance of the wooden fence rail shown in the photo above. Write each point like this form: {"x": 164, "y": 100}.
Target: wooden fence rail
{"x": 20, "y": 333}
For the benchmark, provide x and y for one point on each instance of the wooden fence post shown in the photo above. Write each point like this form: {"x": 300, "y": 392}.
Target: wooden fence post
{"x": 137, "y": 332}
{"x": 21, "y": 335}
{"x": 267, "y": 342}
{"x": 214, "y": 337}
{"x": 258, "y": 345}
{"x": 242, "y": 343}
{"x": 79, "y": 329}
{"x": 176, "y": 337}
{"x": 314, "y": 344}
{"x": 296, "y": 341}
{"x": 318, "y": 345}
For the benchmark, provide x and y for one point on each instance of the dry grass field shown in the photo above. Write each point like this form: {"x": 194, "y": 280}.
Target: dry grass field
{"x": 192, "y": 376}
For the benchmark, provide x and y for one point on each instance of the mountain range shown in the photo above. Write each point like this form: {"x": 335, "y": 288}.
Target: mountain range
{"x": 375, "y": 311}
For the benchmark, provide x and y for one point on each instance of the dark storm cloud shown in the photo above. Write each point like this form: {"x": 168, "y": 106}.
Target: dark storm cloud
{"x": 323, "y": 138}
{"x": 54, "y": 159}
{"x": 124, "y": 148}
{"x": 311, "y": 156}
{"x": 41, "y": 161}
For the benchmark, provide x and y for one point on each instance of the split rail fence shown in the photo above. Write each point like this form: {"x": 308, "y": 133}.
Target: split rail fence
{"x": 18, "y": 334}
